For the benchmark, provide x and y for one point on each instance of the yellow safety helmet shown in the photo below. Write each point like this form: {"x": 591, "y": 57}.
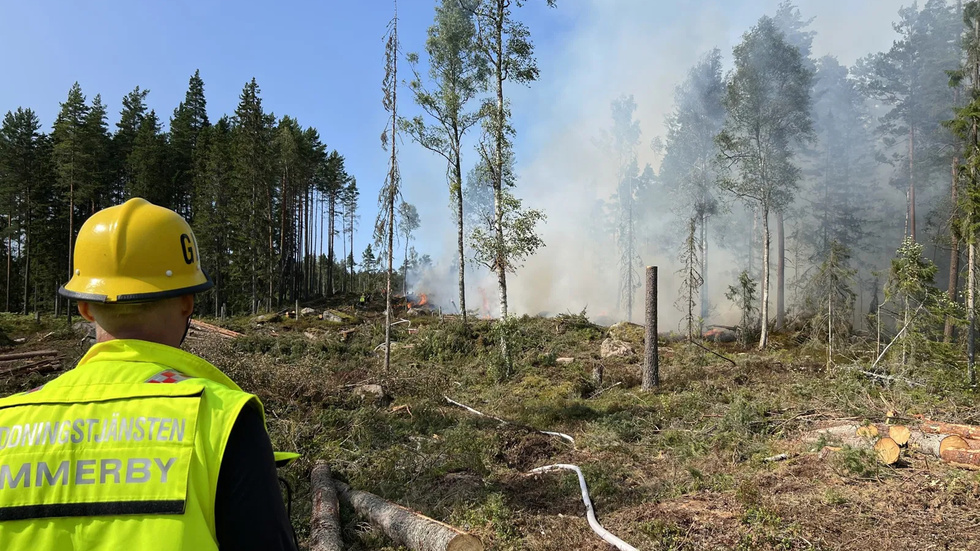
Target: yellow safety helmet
{"x": 135, "y": 252}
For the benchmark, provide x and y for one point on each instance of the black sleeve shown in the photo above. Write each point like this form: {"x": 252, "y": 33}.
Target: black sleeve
{"x": 248, "y": 512}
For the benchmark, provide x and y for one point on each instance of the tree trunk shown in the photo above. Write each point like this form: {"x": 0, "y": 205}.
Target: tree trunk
{"x": 325, "y": 530}
{"x": 705, "y": 306}
{"x": 499, "y": 169}
{"x": 405, "y": 275}
{"x": 971, "y": 314}
{"x": 780, "y": 272}
{"x": 413, "y": 530}
{"x": 393, "y": 188}
{"x": 9, "y": 259}
{"x": 912, "y": 182}
{"x": 764, "y": 310}
{"x": 458, "y": 173}
{"x": 651, "y": 355}
{"x": 331, "y": 212}
{"x": 954, "y": 258}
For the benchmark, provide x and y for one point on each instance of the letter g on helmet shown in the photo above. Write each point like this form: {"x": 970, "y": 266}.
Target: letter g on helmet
{"x": 135, "y": 252}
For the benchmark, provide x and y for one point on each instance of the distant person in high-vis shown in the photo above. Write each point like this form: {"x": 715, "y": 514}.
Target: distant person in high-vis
{"x": 141, "y": 446}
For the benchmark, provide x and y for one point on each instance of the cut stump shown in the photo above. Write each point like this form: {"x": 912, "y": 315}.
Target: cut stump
{"x": 900, "y": 434}
{"x": 887, "y": 451}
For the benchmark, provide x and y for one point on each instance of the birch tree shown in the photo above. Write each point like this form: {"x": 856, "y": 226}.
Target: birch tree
{"x": 505, "y": 45}
{"x": 768, "y": 112}
{"x": 456, "y": 71}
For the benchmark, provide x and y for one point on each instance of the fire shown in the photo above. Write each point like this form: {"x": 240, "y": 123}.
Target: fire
{"x": 423, "y": 300}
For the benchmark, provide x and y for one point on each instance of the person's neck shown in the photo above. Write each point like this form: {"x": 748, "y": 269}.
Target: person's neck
{"x": 142, "y": 334}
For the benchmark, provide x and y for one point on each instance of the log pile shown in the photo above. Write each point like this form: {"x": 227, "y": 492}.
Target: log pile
{"x": 201, "y": 327}
{"x": 415, "y": 531}
{"x": 39, "y": 361}
{"x": 956, "y": 444}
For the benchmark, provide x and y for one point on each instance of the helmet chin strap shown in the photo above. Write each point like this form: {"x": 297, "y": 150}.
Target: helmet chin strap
{"x": 186, "y": 329}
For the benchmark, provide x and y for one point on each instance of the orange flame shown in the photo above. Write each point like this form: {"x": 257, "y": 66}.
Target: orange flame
{"x": 422, "y": 301}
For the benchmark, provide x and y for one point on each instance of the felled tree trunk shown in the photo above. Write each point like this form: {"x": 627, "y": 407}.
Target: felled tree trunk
{"x": 936, "y": 427}
{"x": 925, "y": 443}
{"x": 413, "y": 530}
{"x": 325, "y": 529}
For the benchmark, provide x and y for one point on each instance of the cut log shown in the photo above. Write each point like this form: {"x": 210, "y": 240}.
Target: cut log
{"x": 867, "y": 431}
{"x": 887, "y": 451}
{"x": 952, "y": 442}
{"x": 925, "y": 443}
{"x": 208, "y": 328}
{"x": 961, "y": 457}
{"x": 325, "y": 529}
{"x": 900, "y": 434}
{"x": 27, "y": 355}
{"x": 413, "y": 530}
{"x": 936, "y": 427}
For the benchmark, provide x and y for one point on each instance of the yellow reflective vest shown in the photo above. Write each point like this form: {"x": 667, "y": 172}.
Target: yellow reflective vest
{"x": 122, "y": 452}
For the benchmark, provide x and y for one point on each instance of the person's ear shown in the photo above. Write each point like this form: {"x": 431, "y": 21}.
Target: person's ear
{"x": 85, "y": 311}
{"x": 186, "y": 305}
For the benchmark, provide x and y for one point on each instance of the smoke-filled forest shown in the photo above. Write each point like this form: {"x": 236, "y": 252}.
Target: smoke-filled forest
{"x": 814, "y": 221}
{"x": 782, "y": 181}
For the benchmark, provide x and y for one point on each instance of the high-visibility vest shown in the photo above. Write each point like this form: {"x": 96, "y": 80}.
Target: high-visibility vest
{"x": 111, "y": 455}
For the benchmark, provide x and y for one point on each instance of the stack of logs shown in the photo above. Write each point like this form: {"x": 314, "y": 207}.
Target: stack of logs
{"x": 958, "y": 445}
{"x": 39, "y": 361}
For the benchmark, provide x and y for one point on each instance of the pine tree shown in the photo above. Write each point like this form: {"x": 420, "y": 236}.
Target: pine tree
{"x": 146, "y": 164}
{"x": 829, "y": 303}
{"x": 20, "y": 179}
{"x": 690, "y": 169}
{"x": 70, "y": 159}
{"x": 624, "y": 137}
{"x": 384, "y": 229}
{"x": 189, "y": 119}
{"x": 130, "y": 120}
{"x": 251, "y": 204}
{"x": 910, "y": 79}
{"x": 97, "y": 192}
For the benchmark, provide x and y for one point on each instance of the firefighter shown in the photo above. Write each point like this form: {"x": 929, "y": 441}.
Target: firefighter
{"x": 141, "y": 445}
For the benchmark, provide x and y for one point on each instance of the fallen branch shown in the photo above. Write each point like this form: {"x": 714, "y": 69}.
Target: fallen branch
{"x": 43, "y": 366}
{"x": 774, "y": 458}
{"x": 27, "y": 355}
{"x": 502, "y": 422}
{"x": 900, "y": 333}
{"x": 413, "y": 530}
{"x": 890, "y": 378}
{"x": 722, "y": 356}
{"x": 325, "y": 524}
{"x": 589, "y": 510}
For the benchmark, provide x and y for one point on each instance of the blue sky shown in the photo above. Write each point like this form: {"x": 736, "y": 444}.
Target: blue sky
{"x": 321, "y": 62}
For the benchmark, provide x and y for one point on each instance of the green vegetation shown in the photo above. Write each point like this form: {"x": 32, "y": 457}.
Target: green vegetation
{"x": 680, "y": 468}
